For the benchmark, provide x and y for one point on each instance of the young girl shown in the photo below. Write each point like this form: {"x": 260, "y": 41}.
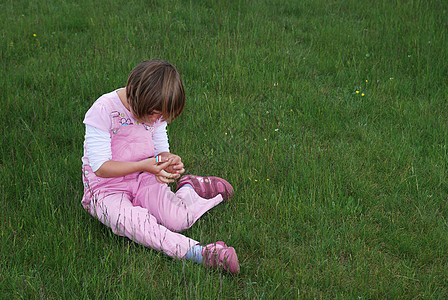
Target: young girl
{"x": 127, "y": 165}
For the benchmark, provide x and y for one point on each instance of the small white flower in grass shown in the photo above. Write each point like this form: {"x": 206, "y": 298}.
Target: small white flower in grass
{"x": 276, "y": 84}
{"x": 367, "y": 55}
{"x": 276, "y": 129}
{"x": 391, "y": 78}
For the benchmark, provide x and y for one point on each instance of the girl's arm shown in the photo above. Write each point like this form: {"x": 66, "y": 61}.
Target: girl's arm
{"x": 98, "y": 146}
{"x": 161, "y": 147}
{"x": 113, "y": 168}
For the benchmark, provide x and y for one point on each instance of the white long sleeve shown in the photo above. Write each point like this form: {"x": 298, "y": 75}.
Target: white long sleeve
{"x": 98, "y": 147}
{"x": 160, "y": 139}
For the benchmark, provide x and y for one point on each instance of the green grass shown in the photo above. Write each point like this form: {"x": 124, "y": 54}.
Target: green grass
{"x": 338, "y": 195}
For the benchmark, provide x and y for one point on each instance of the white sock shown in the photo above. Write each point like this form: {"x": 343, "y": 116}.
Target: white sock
{"x": 187, "y": 185}
{"x": 195, "y": 254}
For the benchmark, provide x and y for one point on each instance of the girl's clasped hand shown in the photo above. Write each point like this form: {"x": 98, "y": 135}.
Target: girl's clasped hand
{"x": 169, "y": 169}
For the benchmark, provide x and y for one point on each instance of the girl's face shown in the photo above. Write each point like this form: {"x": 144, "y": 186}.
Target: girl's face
{"x": 152, "y": 118}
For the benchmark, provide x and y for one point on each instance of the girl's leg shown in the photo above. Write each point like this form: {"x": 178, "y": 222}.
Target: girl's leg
{"x": 177, "y": 211}
{"x": 117, "y": 212}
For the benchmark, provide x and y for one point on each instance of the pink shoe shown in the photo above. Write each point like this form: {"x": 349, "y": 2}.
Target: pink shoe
{"x": 219, "y": 255}
{"x": 207, "y": 187}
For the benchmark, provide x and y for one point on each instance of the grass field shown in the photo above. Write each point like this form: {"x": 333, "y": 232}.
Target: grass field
{"x": 328, "y": 117}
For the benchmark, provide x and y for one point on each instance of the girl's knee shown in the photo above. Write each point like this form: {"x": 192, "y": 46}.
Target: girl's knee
{"x": 179, "y": 225}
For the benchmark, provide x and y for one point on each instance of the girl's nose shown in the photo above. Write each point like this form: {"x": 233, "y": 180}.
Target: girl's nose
{"x": 154, "y": 117}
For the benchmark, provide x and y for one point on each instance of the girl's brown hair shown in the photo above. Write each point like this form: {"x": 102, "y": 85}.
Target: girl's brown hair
{"x": 155, "y": 85}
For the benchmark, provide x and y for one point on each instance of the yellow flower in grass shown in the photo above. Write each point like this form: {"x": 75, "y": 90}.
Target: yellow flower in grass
{"x": 357, "y": 92}
{"x": 363, "y": 94}
{"x": 34, "y": 34}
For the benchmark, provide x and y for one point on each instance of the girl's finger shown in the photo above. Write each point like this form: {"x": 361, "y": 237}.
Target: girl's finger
{"x": 178, "y": 166}
{"x": 166, "y": 174}
{"x": 164, "y": 164}
{"x": 162, "y": 179}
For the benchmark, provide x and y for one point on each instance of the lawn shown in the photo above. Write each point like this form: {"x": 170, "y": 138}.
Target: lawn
{"x": 328, "y": 117}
